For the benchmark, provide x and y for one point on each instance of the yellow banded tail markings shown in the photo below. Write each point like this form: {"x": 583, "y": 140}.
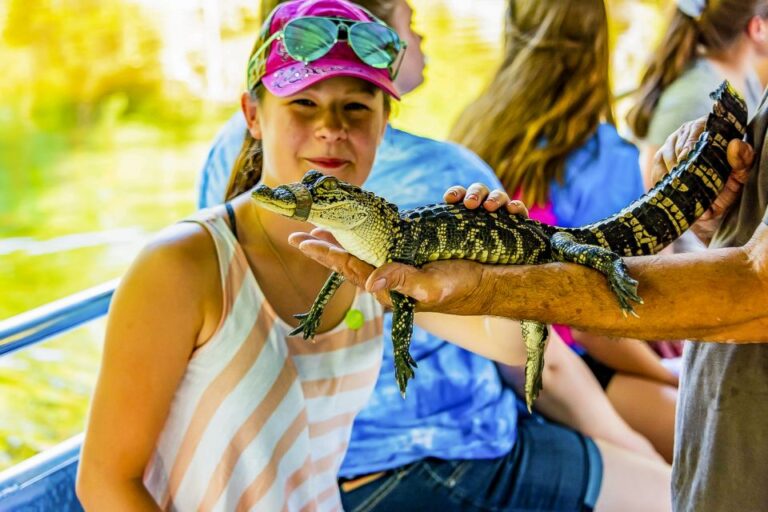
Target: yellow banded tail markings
{"x": 714, "y": 183}
{"x": 642, "y": 236}
{"x": 669, "y": 208}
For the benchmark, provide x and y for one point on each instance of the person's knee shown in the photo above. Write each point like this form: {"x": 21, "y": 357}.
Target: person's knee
{"x": 633, "y": 483}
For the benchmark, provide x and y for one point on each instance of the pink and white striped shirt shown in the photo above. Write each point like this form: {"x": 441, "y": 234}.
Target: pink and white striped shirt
{"x": 261, "y": 420}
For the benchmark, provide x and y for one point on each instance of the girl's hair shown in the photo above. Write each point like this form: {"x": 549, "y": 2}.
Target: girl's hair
{"x": 548, "y": 97}
{"x": 246, "y": 171}
{"x": 718, "y": 27}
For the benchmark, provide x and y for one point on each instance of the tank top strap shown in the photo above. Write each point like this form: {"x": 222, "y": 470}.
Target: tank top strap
{"x": 233, "y": 266}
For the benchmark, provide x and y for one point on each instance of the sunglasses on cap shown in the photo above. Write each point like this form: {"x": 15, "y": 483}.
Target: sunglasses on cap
{"x": 309, "y": 38}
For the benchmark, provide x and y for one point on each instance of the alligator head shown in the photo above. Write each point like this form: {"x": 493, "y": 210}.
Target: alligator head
{"x": 361, "y": 221}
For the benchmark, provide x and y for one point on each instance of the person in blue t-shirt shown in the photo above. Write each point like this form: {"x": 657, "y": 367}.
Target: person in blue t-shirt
{"x": 551, "y": 140}
{"x": 458, "y": 439}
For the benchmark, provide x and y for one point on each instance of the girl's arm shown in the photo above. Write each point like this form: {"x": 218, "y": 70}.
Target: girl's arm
{"x": 626, "y": 355}
{"x": 496, "y": 338}
{"x": 159, "y": 313}
{"x": 572, "y": 396}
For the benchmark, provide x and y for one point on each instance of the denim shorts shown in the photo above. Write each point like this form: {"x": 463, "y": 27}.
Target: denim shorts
{"x": 551, "y": 468}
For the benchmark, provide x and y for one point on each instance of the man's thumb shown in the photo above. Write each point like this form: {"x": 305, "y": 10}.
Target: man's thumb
{"x": 392, "y": 276}
{"x": 740, "y": 155}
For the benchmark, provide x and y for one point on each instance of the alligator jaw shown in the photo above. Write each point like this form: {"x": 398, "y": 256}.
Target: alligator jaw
{"x": 292, "y": 201}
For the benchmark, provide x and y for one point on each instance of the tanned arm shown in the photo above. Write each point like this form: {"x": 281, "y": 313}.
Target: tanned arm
{"x": 717, "y": 295}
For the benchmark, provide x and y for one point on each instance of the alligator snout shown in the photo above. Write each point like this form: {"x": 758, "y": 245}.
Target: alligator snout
{"x": 292, "y": 200}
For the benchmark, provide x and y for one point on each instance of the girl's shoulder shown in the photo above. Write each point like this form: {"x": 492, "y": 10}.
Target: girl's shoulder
{"x": 180, "y": 259}
{"x": 182, "y": 246}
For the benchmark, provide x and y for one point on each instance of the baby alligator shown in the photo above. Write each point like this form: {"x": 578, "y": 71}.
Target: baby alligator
{"x": 375, "y": 231}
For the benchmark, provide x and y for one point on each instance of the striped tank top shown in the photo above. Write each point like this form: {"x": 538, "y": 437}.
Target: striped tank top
{"x": 261, "y": 420}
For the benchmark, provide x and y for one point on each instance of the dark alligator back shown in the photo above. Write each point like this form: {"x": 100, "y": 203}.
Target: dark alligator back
{"x": 669, "y": 208}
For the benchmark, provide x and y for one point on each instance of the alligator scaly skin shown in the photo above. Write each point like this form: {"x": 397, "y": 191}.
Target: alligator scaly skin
{"x": 444, "y": 231}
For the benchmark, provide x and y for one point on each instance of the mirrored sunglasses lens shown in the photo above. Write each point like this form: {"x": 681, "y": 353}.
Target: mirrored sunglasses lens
{"x": 375, "y": 44}
{"x": 308, "y": 39}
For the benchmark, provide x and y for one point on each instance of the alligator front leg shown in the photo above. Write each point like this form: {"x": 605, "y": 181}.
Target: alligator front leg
{"x": 535, "y": 336}
{"x": 311, "y": 319}
{"x": 566, "y": 248}
{"x": 402, "y": 328}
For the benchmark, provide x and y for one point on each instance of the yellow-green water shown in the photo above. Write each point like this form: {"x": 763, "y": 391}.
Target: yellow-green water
{"x": 88, "y": 172}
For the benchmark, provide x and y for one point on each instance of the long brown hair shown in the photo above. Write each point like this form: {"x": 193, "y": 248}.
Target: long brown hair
{"x": 547, "y": 98}
{"x": 246, "y": 171}
{"x": 719, "y": 25}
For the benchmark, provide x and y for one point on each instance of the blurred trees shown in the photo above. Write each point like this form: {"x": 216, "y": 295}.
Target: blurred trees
{"x": 70, "y": 62}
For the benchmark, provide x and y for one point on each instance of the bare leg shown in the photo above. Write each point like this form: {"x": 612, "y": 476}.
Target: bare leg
{"x": 632, "y": 483}
{"x": 649, "y": 408}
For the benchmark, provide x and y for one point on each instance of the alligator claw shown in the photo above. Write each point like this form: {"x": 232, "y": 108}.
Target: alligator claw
{"x": 307, "y": 326}
{"x": 535, "y": 335}
{"x": 624, "y": 287}
{"x": 404, "y": 365}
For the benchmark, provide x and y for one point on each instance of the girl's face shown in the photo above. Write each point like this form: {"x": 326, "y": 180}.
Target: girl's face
{"x": 333, "y": 126}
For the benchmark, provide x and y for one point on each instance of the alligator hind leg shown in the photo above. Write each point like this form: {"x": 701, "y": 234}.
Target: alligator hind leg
{"x": 402, "y": 328}
{"x": 535, "y": 336}
{"x": 566, "y": 248}
{"x": 311, "y": 319}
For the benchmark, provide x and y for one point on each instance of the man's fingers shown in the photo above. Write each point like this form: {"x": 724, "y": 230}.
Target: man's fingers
{"x": 683, "y": 143}
{"x": 323, "y": 234}
{"x": 516, "y": 207}
{"x": 476, "y": 194}
{"x": 676, "y": 148}
{"x": 455, "y": 194}
{"x": 658, "y": 167}
{"x": 669, "y": 159}
{"x": 740, "y": 157}
{"x": 496, "y": 199}
{"x": 296, "y": 238}
{"x": 334, "y": 257}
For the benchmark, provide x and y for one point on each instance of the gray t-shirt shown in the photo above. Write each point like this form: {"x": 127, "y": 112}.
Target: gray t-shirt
{"x": 721, "y": 448}
{"x": 687, "y": 98}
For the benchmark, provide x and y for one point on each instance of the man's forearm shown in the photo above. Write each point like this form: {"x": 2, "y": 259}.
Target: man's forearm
{"x": 710, "y": 295}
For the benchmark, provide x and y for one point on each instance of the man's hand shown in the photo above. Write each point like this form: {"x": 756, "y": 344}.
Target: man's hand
{"x": 320, "y": 245}
{"x": 478, "y": 194}
{"x": 676, "y": 148}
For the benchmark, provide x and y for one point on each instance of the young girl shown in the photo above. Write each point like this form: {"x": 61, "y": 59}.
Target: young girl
{"x": 549, "y": 136}
{"x": 204, "y": 401}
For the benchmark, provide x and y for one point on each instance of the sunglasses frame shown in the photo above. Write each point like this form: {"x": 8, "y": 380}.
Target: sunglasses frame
{"x": 393, "y": 67}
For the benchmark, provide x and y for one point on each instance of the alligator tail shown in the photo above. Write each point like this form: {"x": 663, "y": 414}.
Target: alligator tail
{"x": 659, "y": 217}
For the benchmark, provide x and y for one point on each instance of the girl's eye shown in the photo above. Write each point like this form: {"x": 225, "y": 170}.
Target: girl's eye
{"x": 356, "y": 106}
{"x": 303, "y": 102}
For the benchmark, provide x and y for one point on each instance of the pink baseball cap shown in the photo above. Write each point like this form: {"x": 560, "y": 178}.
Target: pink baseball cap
{"x": 282, "y": 75}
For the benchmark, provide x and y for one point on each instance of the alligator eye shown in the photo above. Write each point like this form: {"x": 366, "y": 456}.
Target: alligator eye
{"x": 327, "y": 183}
{"x": 311, "y": 176}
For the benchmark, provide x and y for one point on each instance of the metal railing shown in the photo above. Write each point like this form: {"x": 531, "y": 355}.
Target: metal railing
{"x": 47, "y": 480}
{"x": 55, "y": 318}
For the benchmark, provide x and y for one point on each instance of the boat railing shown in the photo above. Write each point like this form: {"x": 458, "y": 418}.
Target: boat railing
{"x": 46, "y": 481}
